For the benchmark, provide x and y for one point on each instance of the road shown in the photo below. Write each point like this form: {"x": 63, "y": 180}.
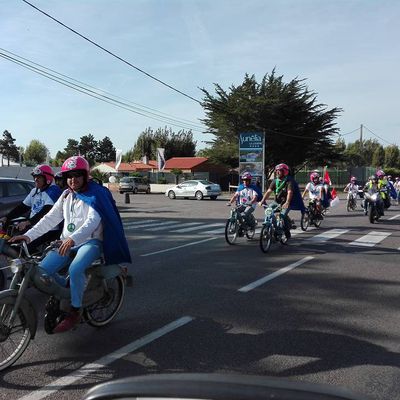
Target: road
{"x": 321, "y": 309}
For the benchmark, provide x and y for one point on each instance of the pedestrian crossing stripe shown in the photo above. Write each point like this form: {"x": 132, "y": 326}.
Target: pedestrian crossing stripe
{"x": 369, "y": 240}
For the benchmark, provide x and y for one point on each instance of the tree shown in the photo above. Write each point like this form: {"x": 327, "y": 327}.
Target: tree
{"x": 176, "y": 144}
{"x": 8, "y": 148}
{"x": 392, "y": 159}
{"x": 72, "y": 149}
{"x": 105, "y": 150}
{"x": 177, "y": 172}
{"x": 35, "y": 153}
{"x": 378, "y": 158}
{"x": 353, "y": 154}
{"x": 88, "y": 148}
{"x": 297, "y": 128}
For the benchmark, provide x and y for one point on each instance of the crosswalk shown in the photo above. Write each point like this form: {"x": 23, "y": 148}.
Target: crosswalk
{"x": 312, "y": 235}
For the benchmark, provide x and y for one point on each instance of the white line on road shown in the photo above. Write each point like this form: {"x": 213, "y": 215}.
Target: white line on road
{"x": 163, "y": 225}
{"x": 145, "y": 225}
{"x": 394, "y": 217}
{"x": 193, "y": 228}
{"x": 370, "y": 240}
{"x": 274, "y": 275}
{"x": 178, "y": 247}
{"x": 323, "y": 237}
{"x": 133, "y": 223}
{"x": 87, "y": 369}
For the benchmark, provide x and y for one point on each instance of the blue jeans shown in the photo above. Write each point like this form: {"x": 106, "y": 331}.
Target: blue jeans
{"x": 85, "y": 254}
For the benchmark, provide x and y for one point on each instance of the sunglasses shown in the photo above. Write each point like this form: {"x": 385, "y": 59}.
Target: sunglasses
{"x": 74, "y": 174}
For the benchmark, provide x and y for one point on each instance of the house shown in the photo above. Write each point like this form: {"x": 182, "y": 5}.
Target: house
{"x": 126, "y": 168}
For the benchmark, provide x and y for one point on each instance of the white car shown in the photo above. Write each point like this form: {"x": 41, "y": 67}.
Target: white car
{"x": 194, "y": 188}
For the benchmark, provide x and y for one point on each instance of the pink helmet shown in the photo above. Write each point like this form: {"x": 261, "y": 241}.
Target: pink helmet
{"x": 284, "y": 168}
{"x": 75, "y": 163}
{"x": 44, "y": 170}
{"x": 247, "y": 176}
{"x": 353, "y": 179}
{"x": 314, "y": 176}
{"x": 379, "y": 173}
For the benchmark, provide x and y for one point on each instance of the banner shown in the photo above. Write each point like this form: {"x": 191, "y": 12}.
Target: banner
{"x": 160, "y": 159}
{"x": 251, "y": 154}
{"x": 118, "y": 158}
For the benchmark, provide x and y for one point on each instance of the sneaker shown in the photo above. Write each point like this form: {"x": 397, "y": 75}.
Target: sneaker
{"x": 69, "y": 322}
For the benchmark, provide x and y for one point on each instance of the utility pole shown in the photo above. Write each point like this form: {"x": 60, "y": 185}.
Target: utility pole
{"x": 361, "y": 134}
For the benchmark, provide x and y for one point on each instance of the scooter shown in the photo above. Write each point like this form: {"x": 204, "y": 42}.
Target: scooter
{"x": 372, "y": 206}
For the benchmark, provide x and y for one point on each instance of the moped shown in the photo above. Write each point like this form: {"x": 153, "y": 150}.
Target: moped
{"x": 103, "y": 298}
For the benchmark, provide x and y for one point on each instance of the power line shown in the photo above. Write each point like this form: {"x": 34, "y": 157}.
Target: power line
{"x": 95, "y": 93}
{"x": 111, "y": 53}
{"x": 379, "y": 137}
{"x": 349, "y": 133}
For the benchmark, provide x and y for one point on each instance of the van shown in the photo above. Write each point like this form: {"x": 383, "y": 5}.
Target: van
{"x": 133, "y": 184}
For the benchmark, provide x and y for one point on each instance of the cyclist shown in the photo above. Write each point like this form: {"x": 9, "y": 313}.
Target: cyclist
{"x": 92, "y": 225}
{"x": 38, "y": 203}
{"x": 287, "y": 194}
{"x": 383, "y": 186}
{"x": 396, "y": 186}
{"x": 314, "y": 189}
{"x": 352, "y": 189}
{"x": 246, "y": 196}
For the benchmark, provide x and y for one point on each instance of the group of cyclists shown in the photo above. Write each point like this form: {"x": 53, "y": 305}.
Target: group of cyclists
{"x": 286, "y": 194}
{"x": 83, "y": 217}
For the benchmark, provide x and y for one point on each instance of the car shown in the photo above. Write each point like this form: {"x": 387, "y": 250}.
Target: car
{"x": 12, "y": 192}
{"x": 133, "y": 184}
{"x": 197, "y": 189}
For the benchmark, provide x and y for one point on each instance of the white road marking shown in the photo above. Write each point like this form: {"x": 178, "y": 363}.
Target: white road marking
{"x": 394, "y": 217}
{"x": 144, "y": 225}
{"x": 370, "y": 240}
{"x": 165, "y": 225}
{"x": 178, "y": 247}
{"x": 133, "y": 223}
{"x": 193, "y": 228}
{"x": 87, "y": 369}
{"x": 323, "y": 237}
{"x": 274, "y": 275}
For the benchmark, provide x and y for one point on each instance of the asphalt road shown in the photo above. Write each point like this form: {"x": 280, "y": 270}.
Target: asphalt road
{"x": 323, "y": 308}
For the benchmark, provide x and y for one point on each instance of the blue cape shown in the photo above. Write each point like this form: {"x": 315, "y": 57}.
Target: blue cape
{"x": 297, "y": 201}
{"x": 115, "y": 246}
{"x": 392, "y": 191}
{"x": 54, "y": 192}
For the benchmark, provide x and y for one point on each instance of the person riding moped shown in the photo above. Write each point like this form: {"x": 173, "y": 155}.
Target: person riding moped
{"x": 92, "y": 226}
{"x": 352, "y": 188}
{"x": 373, "y": 186}
{"x": 38, "y": 203}
{"x": 314, "y": 189}
{"x": 246, "y": 196}
{"x": 286, "y": 193}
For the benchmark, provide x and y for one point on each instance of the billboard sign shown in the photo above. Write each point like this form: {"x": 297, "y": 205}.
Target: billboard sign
{"x": 251, "y": 154}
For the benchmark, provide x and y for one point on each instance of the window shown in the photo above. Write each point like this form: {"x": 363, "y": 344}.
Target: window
{"x": 16, "y": 189}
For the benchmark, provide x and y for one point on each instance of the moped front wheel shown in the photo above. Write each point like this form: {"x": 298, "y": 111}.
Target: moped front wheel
{"x": 266, "y": 238}
{"x": 231, "y": 231}
{"x": 15, "y": 337}
{"x": 103, "y": 311}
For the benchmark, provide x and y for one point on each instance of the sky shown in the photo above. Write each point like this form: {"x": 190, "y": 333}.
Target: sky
{"x": 346, "y": 50}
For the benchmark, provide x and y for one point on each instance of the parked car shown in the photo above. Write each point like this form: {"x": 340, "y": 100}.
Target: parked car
{"x": 133, "y": 184}
{"x": 194, "y": 188}
{"x": 12, "y": 192}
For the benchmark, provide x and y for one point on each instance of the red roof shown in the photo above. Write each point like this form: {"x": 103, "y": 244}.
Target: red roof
{"x": 184, "y": 162}
{"x": 134, "y": 166}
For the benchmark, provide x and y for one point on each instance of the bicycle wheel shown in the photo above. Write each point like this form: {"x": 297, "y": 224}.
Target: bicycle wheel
{"x": 266, "y": 238}
{"x": 103, "y": 312}
{"x": 231, "y": 231}
{"x": 317, "y": 221}
{"x": 349, "y": 205}
{"x": 15, "y": 338}
{"x": 305, "y": 220}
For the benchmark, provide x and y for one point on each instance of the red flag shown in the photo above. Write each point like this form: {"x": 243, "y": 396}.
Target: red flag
{"x": 327, "y": 179}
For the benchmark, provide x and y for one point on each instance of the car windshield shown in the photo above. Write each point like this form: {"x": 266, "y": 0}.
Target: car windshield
{"x": 126, "y": 180}
{"x": 206, "y": 182}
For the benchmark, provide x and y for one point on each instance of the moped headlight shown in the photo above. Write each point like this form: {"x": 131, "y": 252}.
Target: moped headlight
{"x": 16, "y": 265}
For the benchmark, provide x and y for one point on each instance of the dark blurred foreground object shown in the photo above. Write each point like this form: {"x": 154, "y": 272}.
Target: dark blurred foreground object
{"x": 216, "y": 387}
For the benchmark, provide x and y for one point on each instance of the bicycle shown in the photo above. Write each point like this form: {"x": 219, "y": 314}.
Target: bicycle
{"x": 273, "y": 227}
{"x": 236, "y": 226}
{"x": 312, "y": 216}
{"x": 351, "y": 202}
